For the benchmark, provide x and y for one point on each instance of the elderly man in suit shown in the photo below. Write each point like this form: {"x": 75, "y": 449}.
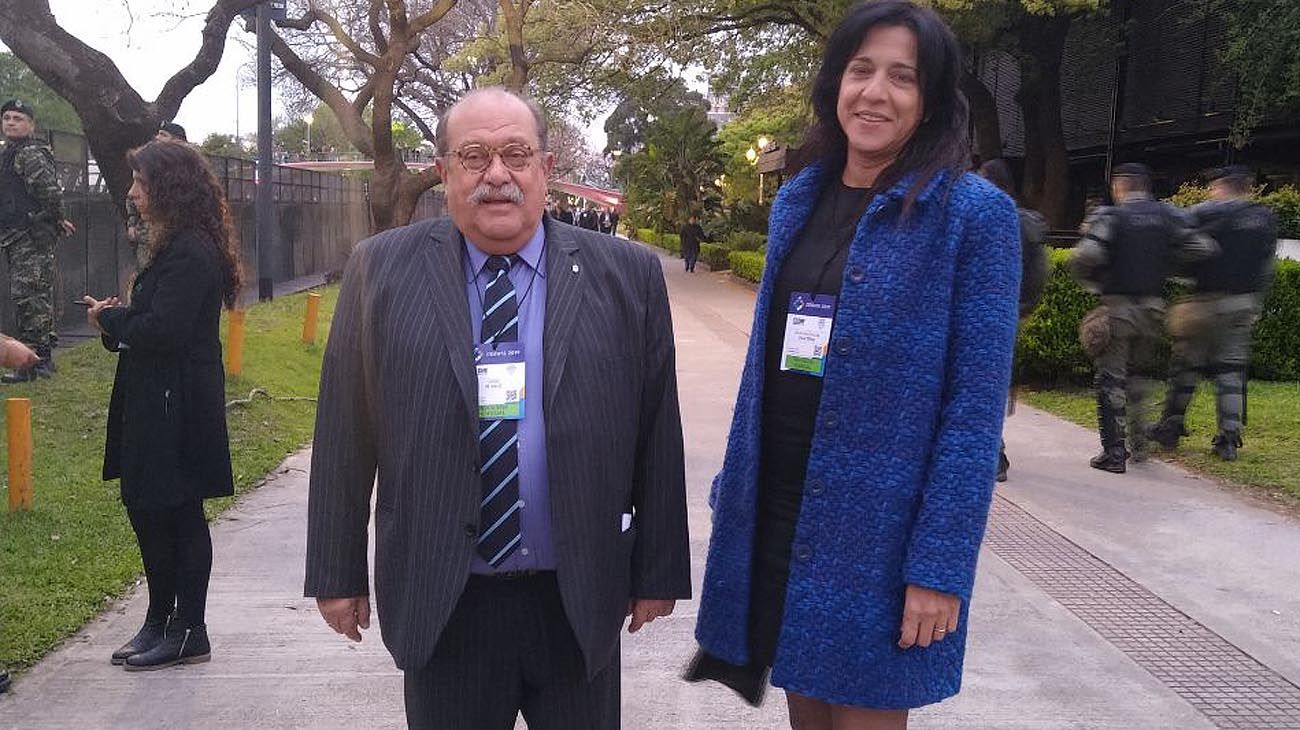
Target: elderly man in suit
{"x": 512, "y": 382}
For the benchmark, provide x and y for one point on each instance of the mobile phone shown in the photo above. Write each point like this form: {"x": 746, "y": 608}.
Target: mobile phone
{"x": 81, "y": 303}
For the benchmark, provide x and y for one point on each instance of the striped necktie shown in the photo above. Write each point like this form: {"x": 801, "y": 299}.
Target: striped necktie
{"x": 499, "y": 511}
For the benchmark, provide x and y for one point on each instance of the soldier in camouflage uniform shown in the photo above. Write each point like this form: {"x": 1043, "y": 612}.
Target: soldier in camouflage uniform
{"x": 137, "y": 228}
{"x": 1212, "y": 327}
{"x": 1127, "y": 253}
{"x": 31, "y": 221}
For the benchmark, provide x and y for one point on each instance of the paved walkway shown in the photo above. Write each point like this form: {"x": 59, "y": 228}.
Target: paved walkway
{"x": 1151, "y": 600}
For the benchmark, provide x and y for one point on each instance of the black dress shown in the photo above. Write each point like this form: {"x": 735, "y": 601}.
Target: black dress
{"x": 790, "y": 402}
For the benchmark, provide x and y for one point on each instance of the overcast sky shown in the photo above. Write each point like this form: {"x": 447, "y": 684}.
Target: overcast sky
{"x": 150, "y": 40}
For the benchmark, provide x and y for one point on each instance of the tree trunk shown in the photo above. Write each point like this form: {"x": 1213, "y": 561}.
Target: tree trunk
{"x": 984, "y": 114}
{"x": 113, "y": 115}
{"x": 1047, "y": 162}
{"x": 514, "y": 17}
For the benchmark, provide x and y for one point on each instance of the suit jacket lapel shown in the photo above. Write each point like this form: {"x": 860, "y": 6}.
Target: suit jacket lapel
{"x": 564, "y": 285}
{"x": 444, "y": 257}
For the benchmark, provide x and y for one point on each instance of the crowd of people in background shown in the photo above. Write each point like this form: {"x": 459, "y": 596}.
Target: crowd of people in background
{"x": 601, "y": 219}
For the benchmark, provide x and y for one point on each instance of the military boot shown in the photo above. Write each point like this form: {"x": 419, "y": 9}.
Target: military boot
{"x": 20, "y": 375}
{"x": 1167, "y": 433}
{"x": 1226, "y": 445}
{"x": 1113, "y": 457}
{"x": 45, "y": 368}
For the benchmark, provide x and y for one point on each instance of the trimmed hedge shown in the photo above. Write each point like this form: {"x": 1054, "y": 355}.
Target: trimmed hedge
{"x": 716, "y": 256}
{"x": 670, "y": 242}
{"x": 745, "y": 241}
{"x": 747, "y": 264}
{"x": 1048, "y": 346}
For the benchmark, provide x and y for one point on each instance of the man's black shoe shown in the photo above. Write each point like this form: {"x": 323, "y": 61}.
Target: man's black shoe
{"x": 1225, "y": 446}
{"x": 1167, "y": 434}
{"x": 1112, "y": 460}
{"x": 21, "y": 375}
{"x": 4, "y": 682}
{"x": 149, "y": 636}
{"x": 180, "y": 646}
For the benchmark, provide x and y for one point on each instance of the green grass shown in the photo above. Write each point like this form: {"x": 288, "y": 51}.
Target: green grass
{"x": 1268, "y": 460}
{"x": 61, "y": 562}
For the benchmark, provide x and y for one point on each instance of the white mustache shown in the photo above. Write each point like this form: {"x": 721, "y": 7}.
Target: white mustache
{"x": 486, "y": 193}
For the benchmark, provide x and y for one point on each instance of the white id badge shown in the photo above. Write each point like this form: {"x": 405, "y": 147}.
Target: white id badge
{"x": 807, "y": 333}
{"x": 500, "y": 371}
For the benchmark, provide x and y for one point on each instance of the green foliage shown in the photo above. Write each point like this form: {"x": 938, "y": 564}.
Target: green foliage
{"x": 648, "y": 235}
{"x": 1047, "y": 349}
{"x": 225, "y": 145}
{"x": 1263, "y": 53}
{"x": 627, "y": 127}
{"x": 782, "y": 116}
{"x": 670, "y": 242}
{"x": 718, "y": 257}
{"x": 745, "y": 241}
{"x": 1189, "y": 194}
{"x": 52, "y": 111}
{"x": 673, "y": 176}
{"x": 1277, "y": 335}
{"x": 1285, "y": 202}
{"x": 75, "y": 550}
{"x": 747, "y": 265}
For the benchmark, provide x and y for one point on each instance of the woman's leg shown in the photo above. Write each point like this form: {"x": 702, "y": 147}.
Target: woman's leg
{"x": 193, "y": 547}
{"x": 807, "y": 713}
{"x": 153, "y": 533}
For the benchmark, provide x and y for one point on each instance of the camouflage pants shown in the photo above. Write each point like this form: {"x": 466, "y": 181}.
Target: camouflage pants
{"x": 1123, "y": 379}
{"x": 1218, "y": 350}
{"x": 31, "y": 286}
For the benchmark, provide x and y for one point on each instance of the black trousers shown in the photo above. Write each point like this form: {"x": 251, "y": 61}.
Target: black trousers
{"x": 176, "y": 548}
{"x": 508, "y": 649}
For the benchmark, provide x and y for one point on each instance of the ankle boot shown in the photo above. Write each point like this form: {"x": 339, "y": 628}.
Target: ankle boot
{"x": 20, "y": 375}
{"x": 1167, "y": 433}
{"x": 182, "y": 645}
{"x": 45, "y": 368}
{"x": 1111, "y": 459}
{"x": 1225, "y": 446}
{"x": 149, "y": 636}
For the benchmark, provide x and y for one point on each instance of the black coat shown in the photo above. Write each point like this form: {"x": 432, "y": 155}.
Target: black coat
{"x": 167, "y": 437}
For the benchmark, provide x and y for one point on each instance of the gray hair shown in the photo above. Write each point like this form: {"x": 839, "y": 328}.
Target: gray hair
{"x": 539, "y": 116}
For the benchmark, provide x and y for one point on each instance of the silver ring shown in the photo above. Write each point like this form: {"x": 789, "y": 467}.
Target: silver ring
{"x": 941, "y": 631}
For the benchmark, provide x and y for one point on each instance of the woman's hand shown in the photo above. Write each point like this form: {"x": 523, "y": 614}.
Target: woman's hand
{"x": 95, "y": 307}
{"x": 927, "y": 616}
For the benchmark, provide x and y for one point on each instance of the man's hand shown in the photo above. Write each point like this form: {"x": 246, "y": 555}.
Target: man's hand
{"x": 69, "y": 227}
{"x": 645, "y": 610}
{"x": 346, "y": 615}
{"x": 927, "y": 616}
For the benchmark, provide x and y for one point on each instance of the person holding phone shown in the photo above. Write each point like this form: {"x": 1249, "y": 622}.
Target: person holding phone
{"x": 167, "y": 439}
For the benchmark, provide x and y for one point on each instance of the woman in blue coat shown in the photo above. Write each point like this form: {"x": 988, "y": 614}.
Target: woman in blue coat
{"x": 848, "y": 515}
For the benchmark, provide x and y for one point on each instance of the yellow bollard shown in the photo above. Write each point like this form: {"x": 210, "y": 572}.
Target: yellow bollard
{"x": 309, "y": 323}
{"x": 235, "y": 344}
{"x": 18, "y": 416}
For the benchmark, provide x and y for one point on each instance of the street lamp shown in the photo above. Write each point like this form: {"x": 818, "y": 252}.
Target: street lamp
{"x": 309, "y": 118}
{"x": 752, "y": 155}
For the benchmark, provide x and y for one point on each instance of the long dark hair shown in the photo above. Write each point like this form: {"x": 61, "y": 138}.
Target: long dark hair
{"x": 183, "y": 194}
{"x": 940, "y": 141}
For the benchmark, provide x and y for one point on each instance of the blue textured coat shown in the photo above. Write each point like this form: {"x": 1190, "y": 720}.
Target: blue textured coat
{"x": 904, "y": 453}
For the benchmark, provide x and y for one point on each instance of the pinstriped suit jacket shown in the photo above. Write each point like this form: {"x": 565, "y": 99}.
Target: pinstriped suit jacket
{"x": 398, "y": 399}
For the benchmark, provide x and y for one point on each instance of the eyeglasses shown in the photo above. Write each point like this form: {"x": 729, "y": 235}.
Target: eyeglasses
{"x": 478, "y": 157}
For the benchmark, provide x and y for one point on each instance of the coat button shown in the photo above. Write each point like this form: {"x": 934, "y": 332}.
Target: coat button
{"x": 815, "y": 487}
{"x": 843, "y": 345}
{"x": 830, "y": 422}
{"x": 471, "y": 530}
{"x": 856, "y": 275}
{"x": 803, "y": 552}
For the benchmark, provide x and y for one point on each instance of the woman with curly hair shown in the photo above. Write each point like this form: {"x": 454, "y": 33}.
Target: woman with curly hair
{"x": 167, "y": 438}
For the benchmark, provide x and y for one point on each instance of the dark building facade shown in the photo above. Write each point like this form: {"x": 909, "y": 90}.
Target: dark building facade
{"x": 1145, "y": 83}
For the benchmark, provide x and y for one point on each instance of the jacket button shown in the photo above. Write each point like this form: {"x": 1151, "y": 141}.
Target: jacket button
{"x": 471, "y": 530}
{"x": 830, "y": 422}
{"x": 843, "y": 345}
{"x": 803, "y": 552}
{"x": 856, "y": 275}
{"x": 815, "y": 487}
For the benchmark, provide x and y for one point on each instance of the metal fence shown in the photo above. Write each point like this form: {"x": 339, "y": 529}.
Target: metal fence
{"x": 320, "y": 216}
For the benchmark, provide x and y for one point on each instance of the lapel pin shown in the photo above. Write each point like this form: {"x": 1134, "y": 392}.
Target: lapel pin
{"x": 575, "y": 268}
